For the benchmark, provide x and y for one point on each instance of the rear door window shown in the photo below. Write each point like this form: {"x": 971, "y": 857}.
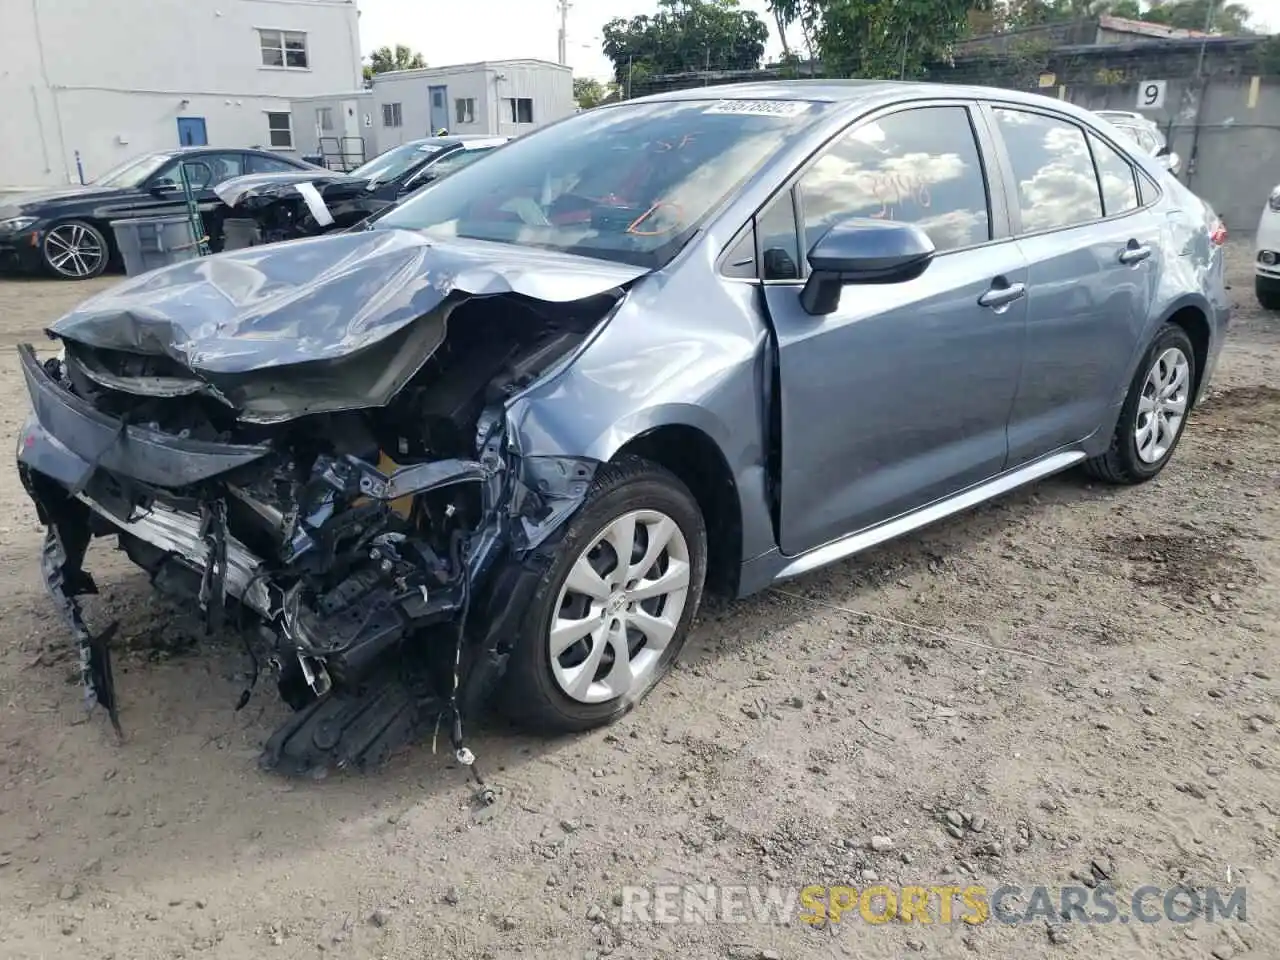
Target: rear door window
{"x": 1052, "y": 169}
{"x": 921, "y": 165}
{"x": 1116, "y": 176}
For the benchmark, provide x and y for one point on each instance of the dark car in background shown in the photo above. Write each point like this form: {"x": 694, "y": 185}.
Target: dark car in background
{"x": 294, "y": 204}
{"x": 66, "y": 231}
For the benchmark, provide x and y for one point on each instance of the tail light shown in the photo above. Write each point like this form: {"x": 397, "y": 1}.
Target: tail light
{"x": 1218, "y": 233}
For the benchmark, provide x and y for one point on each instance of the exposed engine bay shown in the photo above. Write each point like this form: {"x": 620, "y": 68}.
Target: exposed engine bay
{"x": 365, "y": 519}
{"x": 289, "y": 206}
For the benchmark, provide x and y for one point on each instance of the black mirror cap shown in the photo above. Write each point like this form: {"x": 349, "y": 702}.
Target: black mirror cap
{"x": 872, "y": 251}
{"x": 863, "y": 251}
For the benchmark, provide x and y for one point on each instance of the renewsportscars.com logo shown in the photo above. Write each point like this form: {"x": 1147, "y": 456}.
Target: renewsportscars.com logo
{"x": 942, "y": 903}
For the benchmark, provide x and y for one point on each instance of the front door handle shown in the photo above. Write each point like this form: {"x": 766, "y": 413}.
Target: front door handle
{"x": 998, "y": 297}
{"x": 1135, "y": 253}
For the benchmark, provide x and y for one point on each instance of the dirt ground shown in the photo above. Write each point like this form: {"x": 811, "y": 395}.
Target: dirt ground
{"x": 1074, "y": 675}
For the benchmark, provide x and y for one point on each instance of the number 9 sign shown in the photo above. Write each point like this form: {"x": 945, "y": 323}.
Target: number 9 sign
{"x": 1151, "y": 94}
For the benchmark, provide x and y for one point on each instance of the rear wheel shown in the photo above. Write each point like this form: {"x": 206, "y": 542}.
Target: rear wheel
{"x": 75, "y": 250}
{"x": 1268, "y": 292}
{"x": 1154, "y": 412}
{"x": 611, "y": 615}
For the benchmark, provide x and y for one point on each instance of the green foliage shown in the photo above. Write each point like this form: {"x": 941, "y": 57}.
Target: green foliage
{"x": 1228, "y": 18}
{"x": 589, "y": 92}
{"x": 384, "y": 60}
{"x": 685, "y": 35}
{"x": 880, "y": 38}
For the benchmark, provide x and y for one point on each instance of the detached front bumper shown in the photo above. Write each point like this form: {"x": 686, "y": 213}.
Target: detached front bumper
{"x": 60, "y": 449}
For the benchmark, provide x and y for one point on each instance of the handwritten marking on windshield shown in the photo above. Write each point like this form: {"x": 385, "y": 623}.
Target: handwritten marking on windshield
{"x": 633, "y": 227}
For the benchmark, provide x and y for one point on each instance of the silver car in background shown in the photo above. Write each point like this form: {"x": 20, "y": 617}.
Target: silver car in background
{"x": 501, "y": 438}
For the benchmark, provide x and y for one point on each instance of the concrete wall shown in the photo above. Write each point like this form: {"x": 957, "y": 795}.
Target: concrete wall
{"x": 109, "y": 79}
{"x": 490, "y": 85}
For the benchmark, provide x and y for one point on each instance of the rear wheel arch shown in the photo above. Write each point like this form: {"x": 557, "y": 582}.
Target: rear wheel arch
{"x": 1195, "y": 324}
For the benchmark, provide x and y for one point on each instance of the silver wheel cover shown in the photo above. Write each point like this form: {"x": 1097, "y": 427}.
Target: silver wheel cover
{"x": 1162, "y": 406}
{"x": 619, "y": 607}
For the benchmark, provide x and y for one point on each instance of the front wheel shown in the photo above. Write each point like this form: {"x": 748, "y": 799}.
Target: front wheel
{"x": 1154, "y": 412}
{"x": 75, "y": 250}
{"x": 610, "y": 617}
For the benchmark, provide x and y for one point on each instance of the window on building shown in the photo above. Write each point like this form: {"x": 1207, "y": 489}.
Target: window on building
{"x": 392, "y": 115}
{"x": 280, "y": 130}
{"x": 324, "y": 118}
{"x": 1119, "y": 190}
{"x": 520, "y": 109}
{"x": 283, "y": 48}
{"x": 918, "y": 166}
{"x": 1057, "y": 186}
{"x": 465, "y": 110}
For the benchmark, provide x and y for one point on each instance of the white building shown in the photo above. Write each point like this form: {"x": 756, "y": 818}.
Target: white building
{"x": 114, "y": 78}
{"x": 495, "y": 98}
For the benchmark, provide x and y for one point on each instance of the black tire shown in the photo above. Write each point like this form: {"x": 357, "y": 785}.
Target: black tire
{"x": 75, "y": 269}
{"x": 1121, "y": 464}
{"x": 1268, "y": 292}
{"x": 531, "y": 695}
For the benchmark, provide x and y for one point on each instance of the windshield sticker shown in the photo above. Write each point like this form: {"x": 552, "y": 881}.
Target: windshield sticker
{"x": 761, "y": 108}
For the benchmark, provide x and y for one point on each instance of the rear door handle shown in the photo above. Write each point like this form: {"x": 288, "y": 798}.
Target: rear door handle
{"x": 1135, "y": 254}
{"x": 1003, "y": 296}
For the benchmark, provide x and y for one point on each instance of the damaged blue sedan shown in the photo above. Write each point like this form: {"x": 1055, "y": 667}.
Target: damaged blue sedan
{"x": 492, "y": 444}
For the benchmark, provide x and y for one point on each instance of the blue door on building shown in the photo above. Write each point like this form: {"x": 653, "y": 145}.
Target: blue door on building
{"x": 439, "y": 109}
{"x": 191, "y": 132}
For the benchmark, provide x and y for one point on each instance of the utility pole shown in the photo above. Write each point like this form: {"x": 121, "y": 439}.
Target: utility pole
{"x": 564, "y": 31}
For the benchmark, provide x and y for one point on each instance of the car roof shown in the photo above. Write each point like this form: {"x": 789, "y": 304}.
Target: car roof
{"x": 855, "y": 92}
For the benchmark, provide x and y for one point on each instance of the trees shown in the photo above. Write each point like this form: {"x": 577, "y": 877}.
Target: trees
{"x": 686, "y": 35}
{"x": 589, "y": 92}
{"x": 1194, "y": 14}
{"x": 384, "y": 60}
{"x": 879, "y": 38}
{"x": 1228, "y": 17}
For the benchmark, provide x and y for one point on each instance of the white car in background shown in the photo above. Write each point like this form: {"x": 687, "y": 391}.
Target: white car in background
{"x": 1266, "y": 254}
{"x": 1146, "y": 133}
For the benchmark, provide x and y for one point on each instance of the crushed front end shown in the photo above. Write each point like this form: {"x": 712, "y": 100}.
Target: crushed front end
{"x": 372, "y": 553}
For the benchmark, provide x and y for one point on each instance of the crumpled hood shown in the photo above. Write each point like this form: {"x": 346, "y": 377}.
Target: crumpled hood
{"x": 322, "y": 298}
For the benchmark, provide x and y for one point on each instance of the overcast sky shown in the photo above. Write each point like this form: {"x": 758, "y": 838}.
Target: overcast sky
{"x": 470, "y": 30}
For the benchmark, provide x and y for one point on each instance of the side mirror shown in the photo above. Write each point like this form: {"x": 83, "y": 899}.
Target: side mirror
{"x": 1171, "y": 162}
{"x": 1163, "y": 151}
{"x": 863, "y": 251}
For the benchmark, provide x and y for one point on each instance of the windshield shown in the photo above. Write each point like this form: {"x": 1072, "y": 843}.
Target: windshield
{"x": 628, "y": 183}
{"x": 135, "y": 172}
{"x": 389, "y": 165}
